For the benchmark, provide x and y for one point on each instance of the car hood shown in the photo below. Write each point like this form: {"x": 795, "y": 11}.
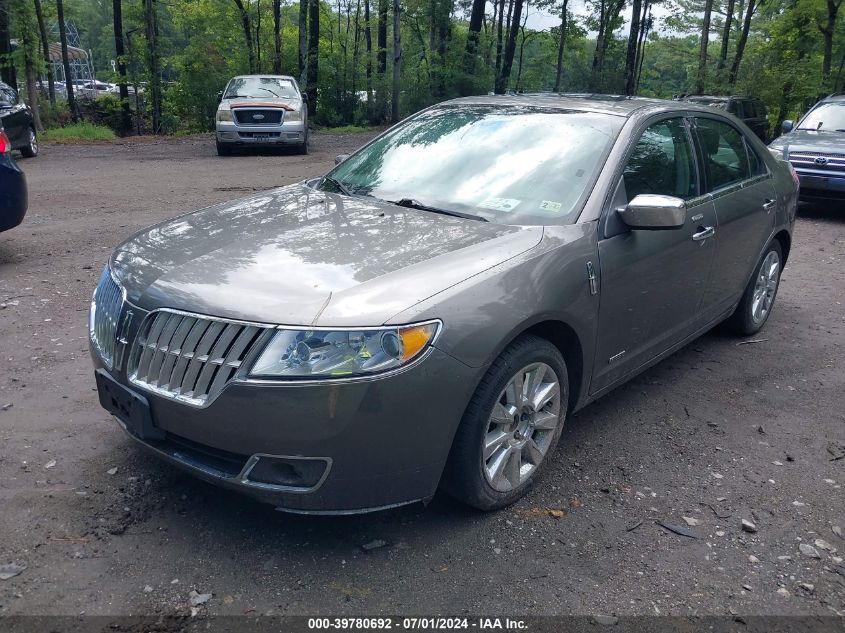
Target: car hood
{"x": 298, "y": 256}
{"x": 284, "y": 103}
{"x": 810, "y": 141}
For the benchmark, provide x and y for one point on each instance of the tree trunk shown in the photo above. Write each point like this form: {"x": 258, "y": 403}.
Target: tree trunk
{"x": 246, "y": 25}
{"x": 645, "y": 25}
{"x": 397, "y": 63}
{"x": 476, "y": 19}
{"x": 507, "y": 62}
{"x": 31, "y": 89}
{"x": 71, "y": 101}
{"x": 45, "y": 46}
{"x": 631, "y": 52}
{"x": 500, "y": 37}
{"x": 598, "y": 54}
{"x": 702, "y": 53}
{"x": 381, "y": 66}
{"x": 313, "y": 54}
{"x": 740, "y": 45}
{"x": 561, "y": 45}
{"x": 726, "y": 34}
{"x": 7, "y": 66}
{"x": 120, "y": 54}
{"x": 277, "y": 37}
{"x": 303, "y": 32}
{"x": 368, "y": 41}
{"x": 828, "y": 31}
{"x": 153, "y": 63}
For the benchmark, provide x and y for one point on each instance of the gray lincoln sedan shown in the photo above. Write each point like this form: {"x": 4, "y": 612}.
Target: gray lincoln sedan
{"x": 429, "y": 312}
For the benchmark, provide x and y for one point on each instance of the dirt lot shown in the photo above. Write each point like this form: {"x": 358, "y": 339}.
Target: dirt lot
{"x": 720, "y": 432}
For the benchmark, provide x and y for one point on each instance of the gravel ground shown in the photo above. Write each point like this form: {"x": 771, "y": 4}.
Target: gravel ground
{"x": 720, "y": 432}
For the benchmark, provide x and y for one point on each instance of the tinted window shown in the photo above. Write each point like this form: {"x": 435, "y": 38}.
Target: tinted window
{"x": 662, "y": 162}
{"x": 724, "y": 153}
{"x": 755, "y": 164}
{"x": 761, "y": 109}
{"x": 7, "y": 94}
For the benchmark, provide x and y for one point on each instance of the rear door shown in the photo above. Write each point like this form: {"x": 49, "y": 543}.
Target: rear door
{"x": 15, "y": 118}
{"x": 745, "y": 200}
{"x": 652, "y": 282}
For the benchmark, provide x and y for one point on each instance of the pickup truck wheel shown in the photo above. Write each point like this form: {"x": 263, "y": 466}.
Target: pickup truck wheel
{"x": 758, "y": 300}
{"x": 31, "y": 149}
{"x": 511, "y": 426}
{"x": 223, "y": 149}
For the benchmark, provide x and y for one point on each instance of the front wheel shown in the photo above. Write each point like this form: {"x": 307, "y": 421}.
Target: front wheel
{"x": 759, "y": 297}
{"x": 513, "y": 422}
{"x": 223, "y": 149}
{"x": 30, "y": 150}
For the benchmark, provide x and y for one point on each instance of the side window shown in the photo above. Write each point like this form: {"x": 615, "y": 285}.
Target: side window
{"x": 761, "y": 109}
{"x": 725, "y": 158}
{"x": 662, "y": 162}
{"x": 755, "y": 164}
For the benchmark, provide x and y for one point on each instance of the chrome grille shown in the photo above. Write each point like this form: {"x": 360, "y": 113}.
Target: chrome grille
{"x": 105, "y": 313}
{"x": 251, "y": 116}
{"x": 807, "y": 160}
{"x": 188, "y": 357}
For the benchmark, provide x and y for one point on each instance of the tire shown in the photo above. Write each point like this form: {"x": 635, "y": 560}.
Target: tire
{"x": 303, "y": 149}
{"x": 755, "y": 308}
{"x": 223, "y": 149}
{"x": 31, "y": 149}
{"x": 530, "y": 435}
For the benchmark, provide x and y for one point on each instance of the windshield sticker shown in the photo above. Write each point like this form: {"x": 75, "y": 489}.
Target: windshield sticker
{"x": 500, "y": 204}
{"x": 550, "y": 205}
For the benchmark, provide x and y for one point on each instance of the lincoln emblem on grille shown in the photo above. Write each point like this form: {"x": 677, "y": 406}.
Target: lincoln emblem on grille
{"x": 258, "y": 117}
{"x": 821, "y": 160}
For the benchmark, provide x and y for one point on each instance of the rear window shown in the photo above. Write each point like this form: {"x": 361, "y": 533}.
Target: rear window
{"x": 726, "y": 158}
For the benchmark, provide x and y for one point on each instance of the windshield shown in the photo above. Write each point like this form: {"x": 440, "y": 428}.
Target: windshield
{"x": 514, "y": 165}
{"x": 260, "y": 88}
{"x": 827, "y": 117}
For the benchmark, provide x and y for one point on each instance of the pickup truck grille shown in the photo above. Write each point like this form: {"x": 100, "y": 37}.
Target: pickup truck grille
{"x": 105, "y": 313}
{"x": 188, "y": 357}
{"x": 256, "y": 116}
{"x": 818, "y": 161}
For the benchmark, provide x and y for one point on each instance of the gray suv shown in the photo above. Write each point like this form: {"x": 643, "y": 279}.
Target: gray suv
{"x": 816, "y": 149}
{"x": 431, "y": 311}
{"x": 261, "y": 111}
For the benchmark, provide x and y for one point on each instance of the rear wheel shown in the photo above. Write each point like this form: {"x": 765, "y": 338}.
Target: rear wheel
{"x": 31, "y": 149}
{"x": 511, "y": 426}
{"x": 758, "y": 300}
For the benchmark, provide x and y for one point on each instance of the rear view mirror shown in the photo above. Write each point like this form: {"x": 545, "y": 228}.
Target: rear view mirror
{"x": 787, "y": 126}
{"x": 649, "y": 212}
{"x": 340, "y": 158}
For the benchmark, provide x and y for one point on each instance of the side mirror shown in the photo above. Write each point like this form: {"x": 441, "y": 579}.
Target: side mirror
{"x": 304, "y": 97}
{"x": 649, "y": 212}
{"x": 219, "y": 96}
{"x": 787, "y": 126}
{"x": 340, "y": 158}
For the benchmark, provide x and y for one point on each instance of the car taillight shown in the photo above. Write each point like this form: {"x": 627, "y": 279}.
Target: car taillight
{"x": 794, "y": 175}
{"x": 5, "y": 143}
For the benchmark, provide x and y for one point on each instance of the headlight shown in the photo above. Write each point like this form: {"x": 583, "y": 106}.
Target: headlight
{"x": 224, "y": 115}
{"x": 293, "y": 115}
{"x": 343, "y": 353}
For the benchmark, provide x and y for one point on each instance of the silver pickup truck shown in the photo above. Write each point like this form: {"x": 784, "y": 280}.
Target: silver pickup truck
{"x": 261, "y": 111}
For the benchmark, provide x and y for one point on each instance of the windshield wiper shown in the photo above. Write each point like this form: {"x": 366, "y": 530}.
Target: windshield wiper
{"x": 410, "y": 203}
{"x": 342, "y": 188}
{"x": 237, "y": 97}
{"x": 270, "y": 91}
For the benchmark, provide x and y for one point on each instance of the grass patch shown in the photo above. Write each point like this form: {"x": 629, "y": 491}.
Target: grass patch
{"x": 79, "y": 133}
{"x": 348, "y": 129}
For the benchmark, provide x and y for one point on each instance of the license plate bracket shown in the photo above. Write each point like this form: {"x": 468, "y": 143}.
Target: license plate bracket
{"x": 129, "y": 407}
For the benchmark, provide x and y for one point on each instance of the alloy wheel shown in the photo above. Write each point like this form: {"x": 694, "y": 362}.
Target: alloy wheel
{"x": 521, "y": 427}
{"x": 765, "y": 287}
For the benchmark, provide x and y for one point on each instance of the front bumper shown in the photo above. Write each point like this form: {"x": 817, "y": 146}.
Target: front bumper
{"x": 820, "y": 184}
{"x": 288, "y": 133}
{"x": 379, "y": 443}
{"x": 13, "y": 193}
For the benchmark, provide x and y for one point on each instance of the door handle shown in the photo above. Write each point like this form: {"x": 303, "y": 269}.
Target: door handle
{"x": 704, "y": 234}
{"x": 768, "y": 205}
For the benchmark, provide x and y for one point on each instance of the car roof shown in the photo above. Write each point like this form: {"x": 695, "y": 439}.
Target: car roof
{"x": 618, "y": 105}
{"x": 264, "y": 76}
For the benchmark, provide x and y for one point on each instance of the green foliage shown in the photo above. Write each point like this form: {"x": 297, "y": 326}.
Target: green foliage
{"x": 79, "y": 133}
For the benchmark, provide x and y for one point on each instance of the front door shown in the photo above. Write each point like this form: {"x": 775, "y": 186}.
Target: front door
{"x": 652, "y": 282}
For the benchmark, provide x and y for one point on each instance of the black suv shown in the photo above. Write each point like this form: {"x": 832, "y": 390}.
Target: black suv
{"x": 16, "y": 119}
{"x": 13, "y": 194}
{"x": 816, "y": 148}
{"x": 749, "y": 110}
